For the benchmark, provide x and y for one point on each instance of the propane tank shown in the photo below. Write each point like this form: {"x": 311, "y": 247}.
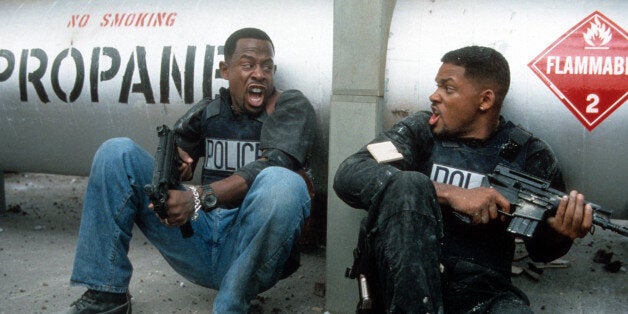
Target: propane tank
{"x": 73, "y": 74}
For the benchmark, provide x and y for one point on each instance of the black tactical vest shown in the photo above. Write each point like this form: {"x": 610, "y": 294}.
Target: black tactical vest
{"x": 464, "y": 164}
{"x": 231, "y": 141}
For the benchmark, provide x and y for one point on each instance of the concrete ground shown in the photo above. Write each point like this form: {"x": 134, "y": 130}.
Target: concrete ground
{"x": 38, "y": 237}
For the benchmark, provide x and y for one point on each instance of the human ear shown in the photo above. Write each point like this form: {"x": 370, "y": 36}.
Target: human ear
{"x": 224, "y": 70}
{"x": 487, "y": 99}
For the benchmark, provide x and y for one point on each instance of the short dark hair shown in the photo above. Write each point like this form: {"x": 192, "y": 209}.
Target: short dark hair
{"x": 483, "y": 65}
{"x": 249, "y": 32}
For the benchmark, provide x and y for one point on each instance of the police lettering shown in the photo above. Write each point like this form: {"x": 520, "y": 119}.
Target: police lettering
{"x": 458, "y": 177}
{"x": 229, "y": 155}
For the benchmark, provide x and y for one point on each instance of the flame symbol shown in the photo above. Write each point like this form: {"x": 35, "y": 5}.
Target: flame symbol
{"x": 598, "y": 34}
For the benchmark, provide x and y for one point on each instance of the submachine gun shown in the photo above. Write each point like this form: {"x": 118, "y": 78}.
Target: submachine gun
{"x": 166, "y": 176}
{"x": 534, "y": 200}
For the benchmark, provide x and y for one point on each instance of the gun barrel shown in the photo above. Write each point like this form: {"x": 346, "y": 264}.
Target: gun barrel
{"x": 605, "y": 224}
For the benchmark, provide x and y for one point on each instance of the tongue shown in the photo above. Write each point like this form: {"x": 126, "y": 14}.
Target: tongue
{"x": 433, "y": 119}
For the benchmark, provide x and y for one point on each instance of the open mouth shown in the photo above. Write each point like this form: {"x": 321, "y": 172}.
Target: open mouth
{"x": 256, "y": 96}
{"x": 435, "y": 116}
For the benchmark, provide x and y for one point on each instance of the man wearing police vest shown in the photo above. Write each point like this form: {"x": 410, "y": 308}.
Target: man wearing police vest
{"x": 253, "y": 138}
{"x": 422, "y": 257}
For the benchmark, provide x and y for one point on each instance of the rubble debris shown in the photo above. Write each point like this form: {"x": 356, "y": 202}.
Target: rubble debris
{"x": 558, "y": 263}
{"x": 533, "y": 275}
{"x": 535, "y": 269}
{"x": 319, "y": 289}
{"x": 16, "y": 209}
{"x": 520, "y": 255}
{"x": 613, "y": 267}
{"x": 603, "y": 256}
{"x": 516, "y": 270}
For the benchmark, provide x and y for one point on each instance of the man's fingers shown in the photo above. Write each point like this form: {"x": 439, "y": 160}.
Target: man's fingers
{"x": 570, "y": 211}
{"x": 184, "y": 156}
{"x": 485, "y": 217}
{"x": 560, "y": 212}
{"x": 587, "y": 221}
{"x": 578, "y": 213}
{"x": 573, "y": 216}
{"x": 493, "y": 211}
{"x": 174, "y": 221}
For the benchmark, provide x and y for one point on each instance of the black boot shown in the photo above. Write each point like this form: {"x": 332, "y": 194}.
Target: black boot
{"x": 101, "y": 302}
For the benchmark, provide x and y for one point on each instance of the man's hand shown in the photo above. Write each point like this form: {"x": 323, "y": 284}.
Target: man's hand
{"x": 186, "y": 169}
{"x": 481, "y": 204}
{"x": 573, "y": 218}
{"x": 180, "y": 207}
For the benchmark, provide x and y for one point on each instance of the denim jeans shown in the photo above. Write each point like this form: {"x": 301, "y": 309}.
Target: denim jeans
{"x": 240, "y": 252}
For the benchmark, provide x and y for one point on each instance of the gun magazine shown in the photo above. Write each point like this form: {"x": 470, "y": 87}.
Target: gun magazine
{"x": 186, "y": 230}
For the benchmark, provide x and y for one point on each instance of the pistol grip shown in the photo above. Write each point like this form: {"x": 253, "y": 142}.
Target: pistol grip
{"x": 186, "y": 230}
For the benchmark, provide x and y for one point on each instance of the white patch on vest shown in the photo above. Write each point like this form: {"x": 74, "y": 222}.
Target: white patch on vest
{"x": 229, "y": 155}
{"x": 458, "y": 177}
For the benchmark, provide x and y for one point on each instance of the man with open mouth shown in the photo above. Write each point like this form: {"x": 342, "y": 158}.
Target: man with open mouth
{"x": 435, "y": 239}
{"x": 246, "y": 216}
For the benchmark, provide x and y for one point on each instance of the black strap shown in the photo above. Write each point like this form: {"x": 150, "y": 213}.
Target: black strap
{"x": 517, "y": 139}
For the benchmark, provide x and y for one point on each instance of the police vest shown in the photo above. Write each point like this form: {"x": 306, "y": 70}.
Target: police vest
{"x": 464, "y": 163}
{"x": 231, "y": 141}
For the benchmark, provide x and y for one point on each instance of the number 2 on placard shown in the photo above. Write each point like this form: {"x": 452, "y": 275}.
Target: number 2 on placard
{"x": 595, "y": 100}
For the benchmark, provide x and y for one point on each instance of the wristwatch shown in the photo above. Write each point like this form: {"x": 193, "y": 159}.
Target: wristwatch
{"x": 208, "y": 198}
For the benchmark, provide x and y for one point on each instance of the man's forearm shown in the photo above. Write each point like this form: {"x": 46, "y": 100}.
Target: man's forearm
{"x": 230, "y": 190}
{"x": 444, "y": 192}
{"x": 547, "y": 244}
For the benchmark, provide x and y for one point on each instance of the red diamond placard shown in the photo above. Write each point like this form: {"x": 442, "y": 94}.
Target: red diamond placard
{"x": 587, "y": 68}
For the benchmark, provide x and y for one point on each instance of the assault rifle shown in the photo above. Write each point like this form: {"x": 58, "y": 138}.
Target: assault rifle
{"x": 533, "y": 201}
{"x": 166, "y": 176}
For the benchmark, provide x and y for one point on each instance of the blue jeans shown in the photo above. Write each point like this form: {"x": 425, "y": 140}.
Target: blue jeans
{"x": 240, "y": 252}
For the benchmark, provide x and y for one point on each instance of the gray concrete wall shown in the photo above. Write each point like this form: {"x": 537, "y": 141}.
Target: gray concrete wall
{"x": 360, "y": 44}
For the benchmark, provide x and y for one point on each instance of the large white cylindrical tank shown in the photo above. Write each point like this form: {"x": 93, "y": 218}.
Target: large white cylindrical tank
{"x": 75, "y": 73}
{"x": 421, "y": 32}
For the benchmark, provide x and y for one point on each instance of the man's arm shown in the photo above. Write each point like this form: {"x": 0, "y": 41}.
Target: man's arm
{"x": 479, "y": 204}
{"x": 287, "y": 136}
{"x": 188, "y": 131}
{"x": 360, "y": 179}
{"x": 291, "y": 127}
{"x": 230, "y": 190}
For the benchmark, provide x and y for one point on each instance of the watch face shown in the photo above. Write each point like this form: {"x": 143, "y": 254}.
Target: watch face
{"x": 210, "y": 200}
